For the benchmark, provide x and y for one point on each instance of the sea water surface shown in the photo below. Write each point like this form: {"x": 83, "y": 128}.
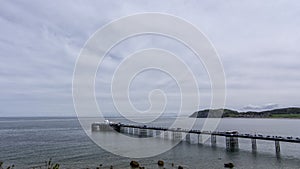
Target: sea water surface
{"x": 30, "y": 141}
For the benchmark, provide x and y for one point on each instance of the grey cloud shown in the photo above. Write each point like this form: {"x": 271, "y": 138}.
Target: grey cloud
{"x": 40, "y": 41}
{"x": 261, "y": 107}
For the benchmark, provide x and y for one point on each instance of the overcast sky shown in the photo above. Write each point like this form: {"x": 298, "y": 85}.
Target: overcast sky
{"x": 257, "y": 41}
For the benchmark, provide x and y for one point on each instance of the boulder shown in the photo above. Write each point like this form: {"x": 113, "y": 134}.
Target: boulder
{"x": 228, "y": 165}
{"x": 160, "y": 163}
{"x": 134, "y": 164}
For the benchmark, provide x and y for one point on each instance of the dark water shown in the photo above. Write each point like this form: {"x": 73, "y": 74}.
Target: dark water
{"x": 27, "y": 142}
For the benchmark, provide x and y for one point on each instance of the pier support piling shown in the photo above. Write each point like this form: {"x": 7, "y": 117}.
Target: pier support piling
{"x": 277, "y": 147}
{"x": 130, "y": 130}
{"x": 95, "y": 127}
{"x": 200, "y": 139}
{"x": 150, "y": 133}
{"x": 188, "y": 138}
{"x": 143, "y": 133}
{"x": 166, "y": 135}
{"x": 254, "y": 146}
{"x": 177, "y": 135}
{"x": 213, "y": 140}
{"x": 157, "y": 133}
{"x": 232, "y": 143}
{"x": 135, "y": 131}
{"x": 121, "y": 129}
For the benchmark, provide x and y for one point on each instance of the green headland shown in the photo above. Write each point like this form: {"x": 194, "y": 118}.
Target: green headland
{"x": 291, "y": 112}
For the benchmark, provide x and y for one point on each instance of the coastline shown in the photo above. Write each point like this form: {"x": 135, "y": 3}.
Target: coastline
{"x": 283, "y": 113}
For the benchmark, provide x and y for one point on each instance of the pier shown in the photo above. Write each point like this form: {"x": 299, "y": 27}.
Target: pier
{"x": 231, "y": 137}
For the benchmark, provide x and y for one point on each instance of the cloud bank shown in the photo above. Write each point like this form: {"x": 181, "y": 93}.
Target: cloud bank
{"x": 258, "y": 43}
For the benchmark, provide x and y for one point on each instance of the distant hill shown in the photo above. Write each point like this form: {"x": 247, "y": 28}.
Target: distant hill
{"x": 292, "y": 112}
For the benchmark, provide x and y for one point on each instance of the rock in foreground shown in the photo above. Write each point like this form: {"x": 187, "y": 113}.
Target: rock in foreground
{"x": 160, "y": 163}
{"x": 134, "y": 164}
{"x": 228, "y": 165}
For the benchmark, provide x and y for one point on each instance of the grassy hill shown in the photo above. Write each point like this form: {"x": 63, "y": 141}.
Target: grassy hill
{"x": 291, "y": 112}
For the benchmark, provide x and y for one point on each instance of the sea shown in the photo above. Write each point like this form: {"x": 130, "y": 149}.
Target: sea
{"x": 28, "y": 142}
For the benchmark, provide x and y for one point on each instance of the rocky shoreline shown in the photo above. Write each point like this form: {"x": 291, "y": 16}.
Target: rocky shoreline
{"x": 133, "y": 165}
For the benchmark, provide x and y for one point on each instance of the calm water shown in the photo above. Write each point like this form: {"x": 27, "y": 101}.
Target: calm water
{"x": 26, "y": 142}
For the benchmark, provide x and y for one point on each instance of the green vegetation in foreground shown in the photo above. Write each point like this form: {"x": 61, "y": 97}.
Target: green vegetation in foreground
{"x": 8, "y": 167}
{"x": 48, "y": 165}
